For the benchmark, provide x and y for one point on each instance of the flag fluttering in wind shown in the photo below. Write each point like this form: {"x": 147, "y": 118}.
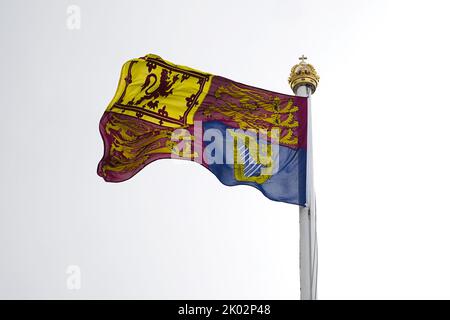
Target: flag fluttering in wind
{"x": 242, "y": 134}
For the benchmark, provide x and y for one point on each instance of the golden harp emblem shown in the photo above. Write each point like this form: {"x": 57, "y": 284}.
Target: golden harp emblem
{"x": 254, "y": 161}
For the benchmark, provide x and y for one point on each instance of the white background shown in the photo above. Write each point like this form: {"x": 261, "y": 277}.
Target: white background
{"x": 381, "y": 129}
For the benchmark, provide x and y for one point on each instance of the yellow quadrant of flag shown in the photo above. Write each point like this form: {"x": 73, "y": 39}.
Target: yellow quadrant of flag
{"x": 160, "y": 92}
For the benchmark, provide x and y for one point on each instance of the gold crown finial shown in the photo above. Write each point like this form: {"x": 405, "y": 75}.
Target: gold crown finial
{"x": 304, "y": 74}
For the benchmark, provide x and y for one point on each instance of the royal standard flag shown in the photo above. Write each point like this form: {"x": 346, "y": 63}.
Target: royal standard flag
{"x": 242, "y": 134}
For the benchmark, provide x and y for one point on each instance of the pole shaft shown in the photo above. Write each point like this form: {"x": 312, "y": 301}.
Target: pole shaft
{"x": 307, "y": 218}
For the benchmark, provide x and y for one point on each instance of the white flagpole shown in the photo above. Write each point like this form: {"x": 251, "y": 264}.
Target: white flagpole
{"x": 304, "y": 81}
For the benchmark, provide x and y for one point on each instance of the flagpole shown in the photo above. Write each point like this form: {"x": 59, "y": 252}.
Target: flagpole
{"x": 304, "y": 81}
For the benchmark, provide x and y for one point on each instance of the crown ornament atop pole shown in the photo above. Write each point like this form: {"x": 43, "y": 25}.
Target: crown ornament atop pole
{"x": 303, "y": 74}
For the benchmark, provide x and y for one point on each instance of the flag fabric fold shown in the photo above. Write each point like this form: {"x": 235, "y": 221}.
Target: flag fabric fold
{"x": 242, "y": 134}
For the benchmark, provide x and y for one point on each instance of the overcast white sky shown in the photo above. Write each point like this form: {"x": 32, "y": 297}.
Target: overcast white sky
{"x": 381, "y": 116}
